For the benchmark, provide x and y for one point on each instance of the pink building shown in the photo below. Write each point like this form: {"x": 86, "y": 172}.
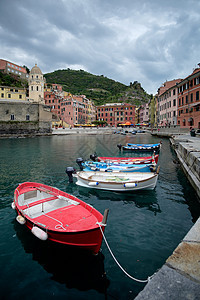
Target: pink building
{"x": 144, "y": 113}
{"x": 167, "y": 103}
{"x": 71, "y": 109}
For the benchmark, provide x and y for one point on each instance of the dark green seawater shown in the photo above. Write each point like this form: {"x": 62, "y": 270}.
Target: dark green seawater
{"x": 143, "y": 228}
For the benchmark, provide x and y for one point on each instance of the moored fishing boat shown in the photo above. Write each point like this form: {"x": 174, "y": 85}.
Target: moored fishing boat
{"x": 140, "y": 147}
{"x": 114, "y": 166}
{"x": 129, "y": 160}
{"x": 119, "y": 182}
{"x": 58, "y": 216}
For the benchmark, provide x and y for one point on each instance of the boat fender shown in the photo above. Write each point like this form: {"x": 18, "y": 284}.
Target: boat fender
{"x": 108, "y": 170}
{"x": 13, "y": 205}
{"x": 70, "y": 171}
{"x": 130, "y": 184}
{"x": 93, "y": 183}
{"x": 39, "y": 233}
{"x": 21, "y": 220}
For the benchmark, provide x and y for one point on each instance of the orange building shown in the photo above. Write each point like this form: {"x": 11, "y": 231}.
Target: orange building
{"x": 11, "y": 68}
{"x": 189, "y": 101}
{"x": 116, "y": 113}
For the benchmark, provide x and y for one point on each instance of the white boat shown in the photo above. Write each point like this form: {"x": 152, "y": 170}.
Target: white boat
{"x": 120, "y": 182}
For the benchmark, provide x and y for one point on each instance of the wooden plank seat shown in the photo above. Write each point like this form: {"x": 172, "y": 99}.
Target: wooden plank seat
{"x": 37, "y": 202}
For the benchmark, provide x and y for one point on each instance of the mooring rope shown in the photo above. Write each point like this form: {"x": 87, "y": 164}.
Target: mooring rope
{"x": 131, "y": 277}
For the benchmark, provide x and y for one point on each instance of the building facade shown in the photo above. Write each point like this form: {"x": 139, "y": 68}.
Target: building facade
{"x": 71, "y": 109}
{"x": 23, "y": 117}
{"x": 189, "y": 101}
{"x": 167, "y": 103}
{"x": 116, "y": 113}
{"x": 12, "y": 93}
{"x": 11, "y": 68}
{"x": 143, "y": 114}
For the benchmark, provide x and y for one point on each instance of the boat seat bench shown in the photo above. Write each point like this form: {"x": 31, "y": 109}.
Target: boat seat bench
{"x": 37, "y": 202}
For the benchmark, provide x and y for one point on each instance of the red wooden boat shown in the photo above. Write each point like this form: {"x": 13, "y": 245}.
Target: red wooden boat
{"x": 130, "y": 160}
{"x": 60, "y": 217}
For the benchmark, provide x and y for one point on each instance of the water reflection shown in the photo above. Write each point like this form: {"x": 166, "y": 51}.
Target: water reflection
{"x": 75, "y": 268}
{"x": 141, "y": 199}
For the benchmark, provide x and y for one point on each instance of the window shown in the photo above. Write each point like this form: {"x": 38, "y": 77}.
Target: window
{"x": 12, "y": 117}
{"x": 2, "y": 95}
{"x": 186, "y": 99}
{"x": 174, "y": 102}
{"x": 197, "y": 95}
{"x": 191, "y": 97}
{"x": 37, "y": 88}
{"x": 20, "y": 96}
{"x": 9, "y": 95}
{"x": 27, "y": 117}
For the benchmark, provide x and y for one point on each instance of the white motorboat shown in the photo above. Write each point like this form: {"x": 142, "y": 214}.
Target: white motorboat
{"x": 120, "y": 182}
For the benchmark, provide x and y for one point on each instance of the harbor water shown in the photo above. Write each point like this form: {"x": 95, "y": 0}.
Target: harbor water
{"x": 143, "y": 228}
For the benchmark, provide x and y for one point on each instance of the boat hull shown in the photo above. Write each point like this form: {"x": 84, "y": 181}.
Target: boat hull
{"x": 120, "y": 183}
{"x": 90, "y": 240}
{"x": 141, "y": 147}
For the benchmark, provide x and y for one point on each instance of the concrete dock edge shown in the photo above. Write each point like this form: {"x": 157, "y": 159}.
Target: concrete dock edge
{"x": 179, "y": 277}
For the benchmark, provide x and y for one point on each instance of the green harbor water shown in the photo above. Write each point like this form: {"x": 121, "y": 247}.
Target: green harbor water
{"x": 143, "y": 228}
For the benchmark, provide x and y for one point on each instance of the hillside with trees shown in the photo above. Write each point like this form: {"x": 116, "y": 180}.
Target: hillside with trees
{"x": 100, "y": 89}
{"x": 12, "y": 80}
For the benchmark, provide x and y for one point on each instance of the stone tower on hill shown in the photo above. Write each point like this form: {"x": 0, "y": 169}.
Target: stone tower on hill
{"x": 36, "y": 85}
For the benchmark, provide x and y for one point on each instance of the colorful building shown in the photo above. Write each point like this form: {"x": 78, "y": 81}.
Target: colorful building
{"x": 70, "y": 109}
{"x": 167, "y": 103}
{"x": 116, "y": 113}
{"x": 143, "y": 114}
{"x": 189, "y": 101}
{"x": 11, "y": 68}
{"x": 12, "y": 93}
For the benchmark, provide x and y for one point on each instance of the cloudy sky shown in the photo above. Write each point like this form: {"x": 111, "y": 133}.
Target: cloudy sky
{"x": 149, "y": 41}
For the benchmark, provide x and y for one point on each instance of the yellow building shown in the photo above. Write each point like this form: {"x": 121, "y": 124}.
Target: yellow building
{"x": 12, "y": 93}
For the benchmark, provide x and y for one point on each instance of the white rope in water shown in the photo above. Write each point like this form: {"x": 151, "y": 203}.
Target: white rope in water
{"x": 131, "y": 277}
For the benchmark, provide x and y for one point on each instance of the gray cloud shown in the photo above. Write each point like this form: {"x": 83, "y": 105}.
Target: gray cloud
{"x": 147, "y": 41}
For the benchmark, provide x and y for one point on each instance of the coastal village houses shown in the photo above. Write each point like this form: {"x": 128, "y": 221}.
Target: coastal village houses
{"x": 177, "y": 103}
{"x": 71, "y": 110}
